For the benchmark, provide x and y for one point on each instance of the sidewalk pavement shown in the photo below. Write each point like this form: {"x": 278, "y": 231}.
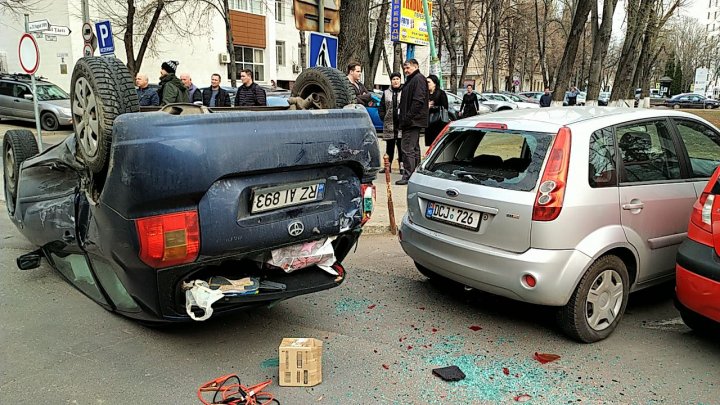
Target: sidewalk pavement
{"x": 380, "y": 221}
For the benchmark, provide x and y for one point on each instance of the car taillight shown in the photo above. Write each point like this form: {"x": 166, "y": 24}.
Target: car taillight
{"x": 702, "y": 212}
{"x": 170, "y": 239}
{"x": 437, "y": 139}
{"x": 550, "y": 194}
{"x": 367, "y": 193}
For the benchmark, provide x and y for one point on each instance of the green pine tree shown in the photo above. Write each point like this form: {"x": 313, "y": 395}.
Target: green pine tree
{"x": 676, "y": 86}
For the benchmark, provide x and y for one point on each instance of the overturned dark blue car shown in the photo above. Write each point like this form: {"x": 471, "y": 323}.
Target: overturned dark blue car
{"x": 185, "y": 212}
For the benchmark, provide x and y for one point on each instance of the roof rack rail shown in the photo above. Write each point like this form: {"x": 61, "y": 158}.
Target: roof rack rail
{"x": 20, "y": 76}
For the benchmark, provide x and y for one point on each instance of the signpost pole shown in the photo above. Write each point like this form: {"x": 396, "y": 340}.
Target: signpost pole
{"x": 434, "y": 61}
{"x": 34, "y": 91}
{"x": 321, "y": 16}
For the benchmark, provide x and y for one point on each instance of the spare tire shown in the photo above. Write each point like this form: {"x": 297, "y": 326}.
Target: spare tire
{"x": 331, "y": 85}
{"x": 101, "y": 90}
{"x": 18, "y": 146}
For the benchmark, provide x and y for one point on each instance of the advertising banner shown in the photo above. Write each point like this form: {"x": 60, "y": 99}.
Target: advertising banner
{"x": 407, "y": 22}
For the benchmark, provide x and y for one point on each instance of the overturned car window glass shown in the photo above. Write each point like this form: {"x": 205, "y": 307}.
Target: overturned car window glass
{"x": 75, "y": 268}
{"x": 504, "y": 159}
{"x": 112, "y": 285}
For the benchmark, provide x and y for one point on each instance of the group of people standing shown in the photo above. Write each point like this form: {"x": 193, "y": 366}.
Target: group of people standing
{"x": 182, "y": 90}
{"x": 408, "y": 109}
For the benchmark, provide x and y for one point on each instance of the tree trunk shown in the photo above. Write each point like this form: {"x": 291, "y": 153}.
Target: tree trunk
{"x": 601, "y": 40}
{"x": 495, "y": 41}
{"x": 571, "y": 47}
{"x": 637, "y": 18}
{"x": 303, "y": 51}
{"x": 353, "y": 41}
{"x": 135, "y": 62}
{"x": 378, "y": 45}
{"x": 232, "y": 71}
{"x": 541, "y": 41}
{"x": 397, "y": 57}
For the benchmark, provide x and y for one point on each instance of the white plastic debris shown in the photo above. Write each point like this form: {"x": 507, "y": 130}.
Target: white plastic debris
{"x": 199, "y": 294}
{"x": 315, "y": 253}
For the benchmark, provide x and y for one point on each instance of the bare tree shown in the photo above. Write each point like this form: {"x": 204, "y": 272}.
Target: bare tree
{"x": 690, "y": 46}
{"x": 18, "y": 7}
{"x": 601, "y": 34}
{"x": 577, "y": 27}
{"x": 378, "y": 44}
{"x": 353, "y": 40}
{"x": 222, "y": 8}
{"x": 638, "y": 15}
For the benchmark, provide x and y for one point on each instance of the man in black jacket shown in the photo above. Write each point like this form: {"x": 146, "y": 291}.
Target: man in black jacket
{"x": 414, "y": 109}
{"x": 215, "y": 96}
{"x": 546, "y": 99}
{"x": 249, "y": 94}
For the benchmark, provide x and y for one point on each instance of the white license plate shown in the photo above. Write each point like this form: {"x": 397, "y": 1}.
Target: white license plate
{"x": 448, "y": 214}
{"x": 272, "y": 198}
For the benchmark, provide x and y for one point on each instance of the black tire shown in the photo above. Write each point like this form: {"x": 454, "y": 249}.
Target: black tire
{"x": 331, "y": 85}
{"x": 698, "y": 323}
{"x": 18, "y": 146}
{"x": 573, "y": 318}
{"x": 100, "y": 85}
{"x": 48, "y": 121}
{"x": 676, "y": 106}
{"x": 504, "y": 109}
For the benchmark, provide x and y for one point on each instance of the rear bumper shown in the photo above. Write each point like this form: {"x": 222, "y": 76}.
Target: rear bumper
{"x": 697, "y": 276}
{"x": 494, "y": 270}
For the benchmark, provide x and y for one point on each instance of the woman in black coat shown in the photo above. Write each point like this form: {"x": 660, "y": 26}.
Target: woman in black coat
{"x": 438, "y": 99}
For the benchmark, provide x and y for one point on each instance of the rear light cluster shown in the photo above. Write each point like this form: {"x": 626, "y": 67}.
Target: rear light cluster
{"x": 170, "y": 239}
{"x": 705, "y": 212}
{"x": 551, "y": 193}
{"x": 367, "y": 192}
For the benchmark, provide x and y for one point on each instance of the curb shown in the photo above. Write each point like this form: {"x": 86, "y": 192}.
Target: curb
{"x": 376, "y": 229}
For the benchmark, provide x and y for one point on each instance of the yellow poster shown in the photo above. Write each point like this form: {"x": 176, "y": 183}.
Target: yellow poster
{"x": 408, "y": 22}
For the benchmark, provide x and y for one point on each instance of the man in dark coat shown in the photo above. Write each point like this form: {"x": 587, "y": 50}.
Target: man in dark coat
{"x": 194, "y": 93}
{"x": 414, "y": 109}
{"x": 362, "y": 95}
{"x": 172, "y": 90}
{"x": 215, "y": 96}
{"x": 470, "y": 104}
{"x": 146, "y": 94}
{"x": 546, "y": 99}
{"x": 249, "y": 93}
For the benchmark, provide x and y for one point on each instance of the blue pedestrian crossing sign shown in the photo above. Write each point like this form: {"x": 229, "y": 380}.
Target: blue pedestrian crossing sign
{"x": 323, "y": 50}
{"x": 104, "y": 37}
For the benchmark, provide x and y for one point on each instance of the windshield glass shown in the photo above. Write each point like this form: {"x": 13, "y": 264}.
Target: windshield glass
{"x": 505, "y": 159}
{"x": 48, "y": 92}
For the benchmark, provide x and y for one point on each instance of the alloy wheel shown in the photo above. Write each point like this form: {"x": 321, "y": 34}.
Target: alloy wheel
{"x": 86, "y": 115}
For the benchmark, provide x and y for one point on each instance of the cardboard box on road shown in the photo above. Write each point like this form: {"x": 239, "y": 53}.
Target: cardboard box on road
{"x": 300, "y": 362}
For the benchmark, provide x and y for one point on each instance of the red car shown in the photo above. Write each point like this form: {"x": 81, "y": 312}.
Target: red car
{"x": 697, "y": 291}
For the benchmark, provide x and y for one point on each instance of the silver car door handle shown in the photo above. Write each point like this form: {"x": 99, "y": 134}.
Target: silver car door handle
{"x": 633, "y": 206}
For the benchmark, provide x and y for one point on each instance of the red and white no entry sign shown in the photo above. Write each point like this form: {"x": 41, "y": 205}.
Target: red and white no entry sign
{"x": 29, "y": 54}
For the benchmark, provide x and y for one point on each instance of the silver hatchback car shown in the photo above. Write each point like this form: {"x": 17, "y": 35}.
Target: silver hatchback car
{"x": 573, "y": 208}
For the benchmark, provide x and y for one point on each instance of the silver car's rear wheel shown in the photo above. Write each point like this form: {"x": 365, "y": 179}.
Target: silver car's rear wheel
{"x": 18, "y": 146}
{"x": 598, "y": 302}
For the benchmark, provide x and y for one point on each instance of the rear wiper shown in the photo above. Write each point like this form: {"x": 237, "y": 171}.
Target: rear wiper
{"x": 476, "y": 175}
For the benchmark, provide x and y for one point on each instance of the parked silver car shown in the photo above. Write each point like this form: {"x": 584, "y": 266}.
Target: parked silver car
{"x": 16, "y": 101}
{"x": 496, "y": 103}
{"x": 573, "y": 208}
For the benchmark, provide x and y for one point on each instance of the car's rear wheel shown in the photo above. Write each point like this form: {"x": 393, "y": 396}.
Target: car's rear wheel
{"x": 676, "y": 106}
{"x": 99, "y": 93}
{"x": 331, "y": 86}
{"x": 18, "y": 146}
{"x": 598, "y": 302}
{"x": 698, "y": 323}
{"x": 49, "y": 121}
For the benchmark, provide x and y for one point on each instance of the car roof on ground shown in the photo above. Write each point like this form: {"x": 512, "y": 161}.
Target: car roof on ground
{"x": 553, "y": 118}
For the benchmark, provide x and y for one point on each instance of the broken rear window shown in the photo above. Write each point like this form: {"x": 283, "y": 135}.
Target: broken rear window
{"x": 505, "y": 159}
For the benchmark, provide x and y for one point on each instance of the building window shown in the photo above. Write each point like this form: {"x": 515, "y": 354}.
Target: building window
{"x": 250, "y": 58}
{"x": 280, "y": 11}
{"x": 280, "y": 52}
{"x": 459, "y": 60}
{"x": 248, "y": 6}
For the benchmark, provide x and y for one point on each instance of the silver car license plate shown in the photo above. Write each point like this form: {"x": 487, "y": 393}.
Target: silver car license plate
{"x": 455, "y": 216}
{"x": 287, "y": 195}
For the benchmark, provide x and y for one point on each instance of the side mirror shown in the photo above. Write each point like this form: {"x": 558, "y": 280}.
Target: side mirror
{"x": 29, "y": 261}
{"x": 28, "y": 96}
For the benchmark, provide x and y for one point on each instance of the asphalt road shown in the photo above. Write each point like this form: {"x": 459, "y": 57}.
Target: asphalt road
{"x": 383, "y": 330}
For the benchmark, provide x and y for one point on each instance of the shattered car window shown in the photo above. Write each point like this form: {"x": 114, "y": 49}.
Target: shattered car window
{"x": 505, "y": 159}
{"x": 75, "y": 268}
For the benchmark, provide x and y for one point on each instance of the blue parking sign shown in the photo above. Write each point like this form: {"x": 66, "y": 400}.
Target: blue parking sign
{"x": 104, "y": 37}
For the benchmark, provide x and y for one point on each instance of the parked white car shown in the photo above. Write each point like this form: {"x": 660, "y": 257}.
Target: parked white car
{"x": 510, "y": 99}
